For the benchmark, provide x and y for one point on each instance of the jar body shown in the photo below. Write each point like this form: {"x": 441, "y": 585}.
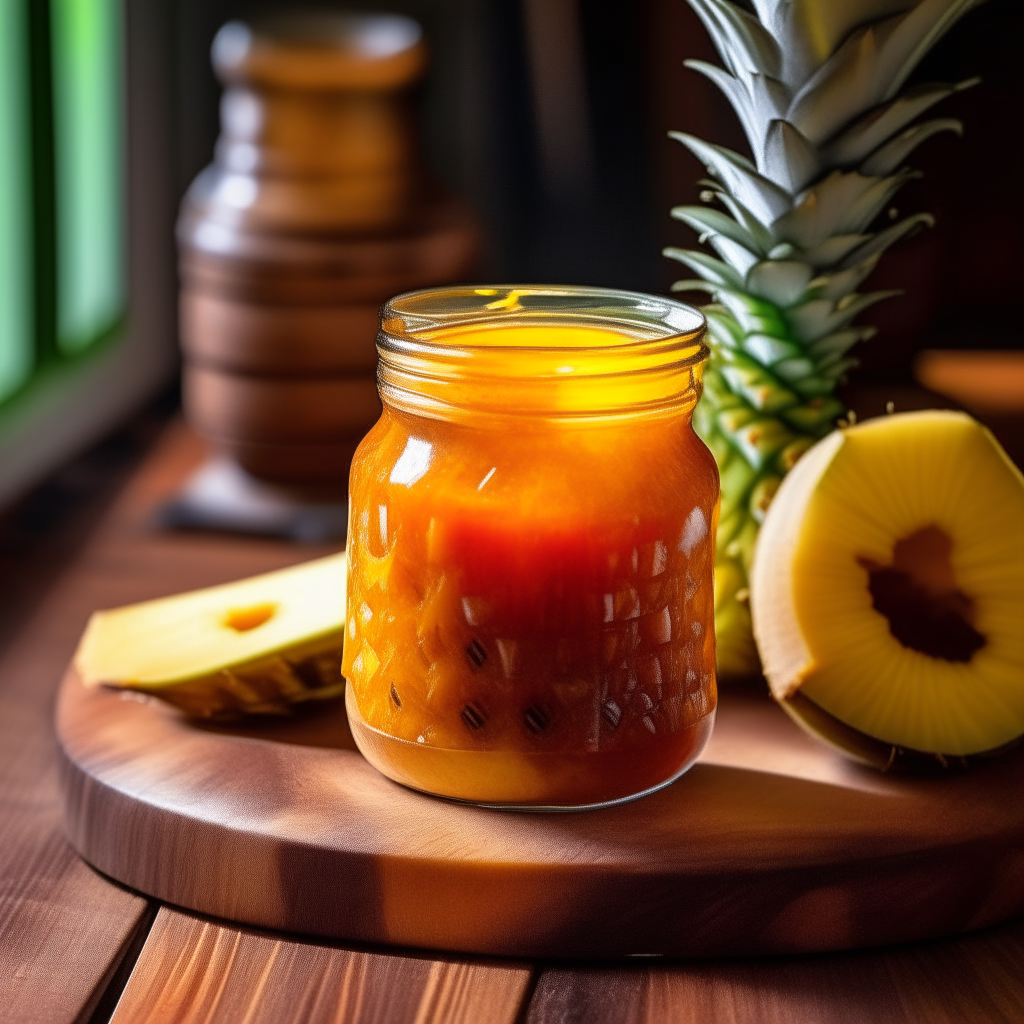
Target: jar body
{"x": 531, "y": 607}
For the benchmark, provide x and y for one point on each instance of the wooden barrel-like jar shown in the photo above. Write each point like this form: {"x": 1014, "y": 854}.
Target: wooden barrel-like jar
{"x": 314, "y": 212}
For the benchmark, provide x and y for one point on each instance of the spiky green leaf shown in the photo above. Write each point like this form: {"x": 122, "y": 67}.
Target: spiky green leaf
{"x": 762, "y": 197}
{"x": 741, "y": 40}
{"x": 877, "y": 244}
{"x": 769, "y": 99}
{"x": 841, "y": 204}
{"x": 815, "y": 417}
{"x": 691, "y": 285}
{"x": 914, "y": 35}
{"x": 703, "y": 219}
{"x": 754, "y": 315}
{"x": 739, "y": 257}
{"x": 879, "y": 125}
{"x": 722, "y": 326}
{"x": 870, "y": 67}
{"x": 809, "y": 31}
{"x": 733, "y": 420}
{"x": 761, "y": 440}
{"x": 839, "y": 90}
{"x": 890, "y": 156}
{"x": 832, "y": 251}
{"x": 797, "y": 372}
{"x": 818, "y": 317}
{"x": 842, "y": 282}
{"x": 714, "y": 271}
{"x": 835, "y": 345}
{"x": 834, "y": 370}
{"x": 761, "y": 232}
{"x": 789, "y": 159}
{"x": 735, "y": 92}
{"x": 781, "y": 282}
{"x": 768, "y": 350}
{"x": 759, "y": 388}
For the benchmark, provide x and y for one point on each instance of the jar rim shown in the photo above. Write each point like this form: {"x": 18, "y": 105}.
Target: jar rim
{"x": 650, "y": 361}
{"x": 427, "y": 310}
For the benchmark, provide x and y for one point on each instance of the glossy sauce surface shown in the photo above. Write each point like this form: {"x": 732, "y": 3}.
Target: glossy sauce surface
{"x": 539, "y": 593}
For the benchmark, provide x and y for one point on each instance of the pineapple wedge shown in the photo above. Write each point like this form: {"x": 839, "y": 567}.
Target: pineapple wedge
{"x": 887, "y": 590}
{"x": 256, "y": 646}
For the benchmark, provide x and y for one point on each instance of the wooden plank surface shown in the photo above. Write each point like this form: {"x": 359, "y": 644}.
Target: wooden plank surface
{"x": 771, "y": 844}
{"x": 63, "y": 927}
{"x": 195, "y": 971}
{"x": 979, "y": 980}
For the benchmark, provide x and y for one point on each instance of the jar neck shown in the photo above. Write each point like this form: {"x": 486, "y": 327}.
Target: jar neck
{"x": 559, "y": 354}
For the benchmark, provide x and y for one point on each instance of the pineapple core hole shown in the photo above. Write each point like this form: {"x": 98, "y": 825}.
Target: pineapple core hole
{"x": 918, "y": 594}
{"x": 241, "y": 620}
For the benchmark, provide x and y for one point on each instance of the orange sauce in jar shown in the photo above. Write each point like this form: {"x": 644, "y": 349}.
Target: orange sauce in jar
{"x": 530, "y": 605}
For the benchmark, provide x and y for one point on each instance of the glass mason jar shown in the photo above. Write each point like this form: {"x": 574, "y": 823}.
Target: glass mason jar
{"x": 531, "y": 546}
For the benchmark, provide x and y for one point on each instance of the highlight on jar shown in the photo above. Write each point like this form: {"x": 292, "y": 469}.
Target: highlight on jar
{"x": 531, "y": 548}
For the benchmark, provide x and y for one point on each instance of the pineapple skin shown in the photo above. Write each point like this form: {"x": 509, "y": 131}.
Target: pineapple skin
{"x": 269, "y": 686}
{"x": 818, "y": 87}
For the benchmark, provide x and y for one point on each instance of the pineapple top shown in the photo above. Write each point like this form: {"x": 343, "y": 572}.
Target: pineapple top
{"x": 816, "y": 85}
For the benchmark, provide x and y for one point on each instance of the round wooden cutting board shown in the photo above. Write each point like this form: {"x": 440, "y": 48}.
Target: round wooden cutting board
{"x": 770, "y": 844}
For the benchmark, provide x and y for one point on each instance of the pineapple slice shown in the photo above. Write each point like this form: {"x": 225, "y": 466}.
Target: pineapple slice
{"x": 258, "y": 645}
{"x": 887, "y": 590}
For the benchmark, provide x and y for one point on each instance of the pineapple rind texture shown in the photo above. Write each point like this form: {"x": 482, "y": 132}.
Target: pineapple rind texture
{"x": 255, "y": 646}
{"x": 884, "y": 757}
{"x": 271, "y": 686}
{"x": 832, "y": 657}
{"x": 818, "y": 88}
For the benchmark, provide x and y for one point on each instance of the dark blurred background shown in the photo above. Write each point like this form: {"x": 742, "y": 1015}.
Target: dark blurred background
{"x": 551, "y": 116}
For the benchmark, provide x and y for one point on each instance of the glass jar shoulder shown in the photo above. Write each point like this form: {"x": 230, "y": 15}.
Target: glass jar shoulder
{"x": 623, "y": 468}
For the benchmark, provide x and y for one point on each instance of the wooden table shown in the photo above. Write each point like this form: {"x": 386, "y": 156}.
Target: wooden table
{"x": 77, "y": 947}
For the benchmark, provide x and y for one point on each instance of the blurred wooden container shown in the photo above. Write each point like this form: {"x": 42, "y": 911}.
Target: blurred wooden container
{"x": 314, "y": 212}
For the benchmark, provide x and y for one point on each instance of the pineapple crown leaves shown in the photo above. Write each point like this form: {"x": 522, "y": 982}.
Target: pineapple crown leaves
{"x": 816, "y": 86}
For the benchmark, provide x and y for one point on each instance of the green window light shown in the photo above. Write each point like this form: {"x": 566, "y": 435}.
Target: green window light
{"x": 86, "y": 67}
{"x": 16, "y": 272}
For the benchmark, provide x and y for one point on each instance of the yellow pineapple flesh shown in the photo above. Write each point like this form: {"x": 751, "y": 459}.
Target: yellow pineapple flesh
{"x": 887, "y": 591}
{"x": 255, "y": 646}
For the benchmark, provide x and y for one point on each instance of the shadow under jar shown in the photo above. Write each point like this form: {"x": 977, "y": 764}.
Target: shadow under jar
{"x": 530, "y": 548}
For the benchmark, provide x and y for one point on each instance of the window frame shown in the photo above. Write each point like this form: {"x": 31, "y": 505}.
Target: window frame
{"x": 69, "y": 404}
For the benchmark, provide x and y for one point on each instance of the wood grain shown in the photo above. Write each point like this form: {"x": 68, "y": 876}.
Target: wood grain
{"x": 316, "y": 125}
{"x": 770, "y": 844}
{"x": 439, "y": 243}
{"x": 977, "y": 980}
{"x": 193, "y": 971}
{"x": 60, "y": 923}
{"x": 275, "y": 340}
{"x": 283, "y": 410}
{"x": 64, "y": 928}
{"x": 319, "y": 469}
